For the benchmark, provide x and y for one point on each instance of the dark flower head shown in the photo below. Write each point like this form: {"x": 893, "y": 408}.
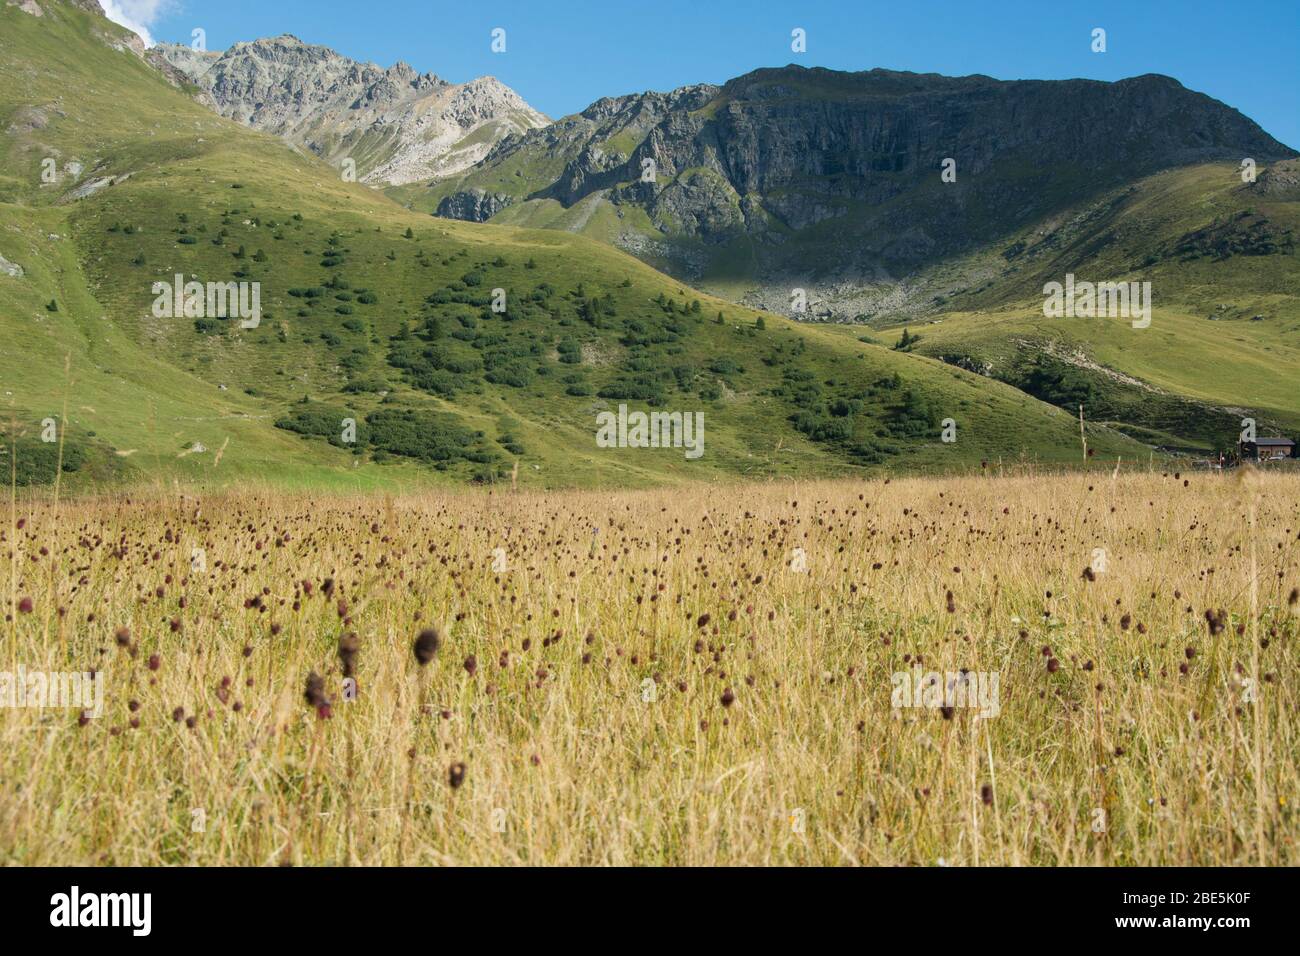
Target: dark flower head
{"x": 456, "y": 775}
{"x": 349, "y": 644}
{"x": 426, "y": 645}
{"x": 314, "y": 693}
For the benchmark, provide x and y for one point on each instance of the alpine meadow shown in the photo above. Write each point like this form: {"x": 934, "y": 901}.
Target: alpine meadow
{"x": 804, "y": 466}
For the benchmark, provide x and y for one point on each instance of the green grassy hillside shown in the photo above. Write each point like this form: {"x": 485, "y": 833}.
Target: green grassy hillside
{"x": 384, "y": 316}
{"x": 963, "y": 264}
{"x": 1224, "y": 339}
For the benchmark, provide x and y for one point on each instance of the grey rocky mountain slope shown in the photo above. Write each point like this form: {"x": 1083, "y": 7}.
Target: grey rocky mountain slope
{"x": 790, "y": 173}
{"x": 397, "y": 125}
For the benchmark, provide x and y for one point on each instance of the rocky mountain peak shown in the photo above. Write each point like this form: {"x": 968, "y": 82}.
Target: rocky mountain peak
{"x": 399, "y": 124}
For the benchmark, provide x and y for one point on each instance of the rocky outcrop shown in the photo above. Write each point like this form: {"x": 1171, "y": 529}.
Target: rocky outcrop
{"x": 809, "y": 145}
{"x": 602, "y": 144}
{"x": 397, "y": 124}
{"x": 473, "y": 205}
{"x": 854, "y": 160}
{"x": 1279, "y": 181}
{"x": 182, "y": 64}
{"x": 92, "y": 186}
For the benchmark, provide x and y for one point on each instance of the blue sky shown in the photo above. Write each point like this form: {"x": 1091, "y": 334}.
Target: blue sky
{"x": 560, "y": 56}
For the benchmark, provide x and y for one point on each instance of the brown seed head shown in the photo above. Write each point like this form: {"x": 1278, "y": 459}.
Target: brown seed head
{"x": 314, "y": 692}
{"x": 349, "y": 644}
{"x": 426, "y": 645}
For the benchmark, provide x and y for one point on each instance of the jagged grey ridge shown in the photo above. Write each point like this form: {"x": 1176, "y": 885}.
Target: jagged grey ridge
{"x": 398, "y": 125}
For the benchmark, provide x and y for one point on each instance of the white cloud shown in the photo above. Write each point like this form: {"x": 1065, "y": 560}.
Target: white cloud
{"x": 136, "y": 15}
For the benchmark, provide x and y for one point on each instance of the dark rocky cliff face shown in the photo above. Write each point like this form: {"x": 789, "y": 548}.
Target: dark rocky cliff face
{"x": 473, "y": 205}
{"x": 783, "y": 150}
{"x": 871, "y": 136}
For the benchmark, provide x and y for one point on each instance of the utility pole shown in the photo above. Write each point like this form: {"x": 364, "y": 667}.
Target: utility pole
{"x": 1082, "y": 439}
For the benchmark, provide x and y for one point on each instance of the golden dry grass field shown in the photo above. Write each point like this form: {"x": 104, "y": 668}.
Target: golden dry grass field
{"x": 661, "y": 677}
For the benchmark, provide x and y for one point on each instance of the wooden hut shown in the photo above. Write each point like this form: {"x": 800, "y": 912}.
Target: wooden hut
{"x": 1268, "y": 449}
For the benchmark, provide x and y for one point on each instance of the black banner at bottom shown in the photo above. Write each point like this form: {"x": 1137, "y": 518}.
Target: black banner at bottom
{"x": 1216, "y": 906}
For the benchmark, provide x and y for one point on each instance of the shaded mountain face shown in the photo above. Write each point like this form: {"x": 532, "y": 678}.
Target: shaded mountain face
{"x": 396, "y": 124}
{"x": 811, "y": 176}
